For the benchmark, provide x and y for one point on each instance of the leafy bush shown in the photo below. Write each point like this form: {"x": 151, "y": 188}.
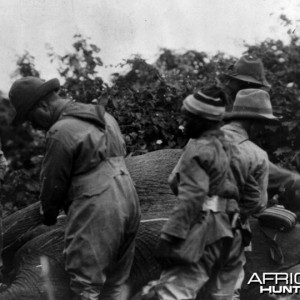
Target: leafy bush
{"x": 146, "y": 101}
{"x": 282, "y": 63}
{"x": 80, "y": 70}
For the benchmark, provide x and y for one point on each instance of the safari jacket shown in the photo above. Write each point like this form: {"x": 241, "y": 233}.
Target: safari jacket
{"x": 220, "y": 163}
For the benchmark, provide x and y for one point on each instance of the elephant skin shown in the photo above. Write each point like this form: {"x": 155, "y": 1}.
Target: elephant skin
{"x": 23, "y": 230}
{"x": 26, "y": 240}
{"x": 32, "y": 281}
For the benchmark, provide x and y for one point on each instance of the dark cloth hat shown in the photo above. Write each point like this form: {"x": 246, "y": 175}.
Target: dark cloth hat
{"x": 26, "y": 92}
{"x": 249, "y": 69}
{"x": 207, "y": 103}
{"x": 252, "y": 104}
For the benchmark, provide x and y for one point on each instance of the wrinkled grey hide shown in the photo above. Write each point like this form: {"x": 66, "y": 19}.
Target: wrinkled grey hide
{"x": 26, "y": 240}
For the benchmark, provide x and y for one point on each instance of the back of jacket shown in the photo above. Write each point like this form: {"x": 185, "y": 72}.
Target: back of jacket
{"x": 250, "y": 166}
{"x": 220, "y": 163}
{"x": 84, "y": 150}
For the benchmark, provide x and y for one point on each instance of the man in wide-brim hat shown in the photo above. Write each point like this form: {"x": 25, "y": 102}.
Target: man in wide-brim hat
{"x": 248, "y": 72}
{"x": 251, "y": 111}
{"x": 252, "y": 104}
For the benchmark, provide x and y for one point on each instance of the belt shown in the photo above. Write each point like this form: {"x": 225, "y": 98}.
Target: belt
{"x": 219, "y": 204}
{"x": 229, "y": 206}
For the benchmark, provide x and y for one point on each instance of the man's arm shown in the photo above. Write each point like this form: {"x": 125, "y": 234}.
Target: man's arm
{"x": 279, "y": 177}
{"x": 286, "y": 184}
{"x": 55, "y": 179}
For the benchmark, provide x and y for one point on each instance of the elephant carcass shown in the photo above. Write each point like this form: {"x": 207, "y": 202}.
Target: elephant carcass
{"x": 33, "y": 281}
{"x": 30, "y": 282}
{"x": 150, "y": 173}
{"x": 18, "y": 228}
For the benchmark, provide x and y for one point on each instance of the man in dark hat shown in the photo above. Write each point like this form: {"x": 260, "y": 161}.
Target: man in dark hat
{"x": 84, "y": 173}
{"x": 217, "y": 180}
{"x": 248, "y": 72}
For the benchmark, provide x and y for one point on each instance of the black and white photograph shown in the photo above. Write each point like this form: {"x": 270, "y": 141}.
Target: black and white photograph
{"x": 149, "y": 150}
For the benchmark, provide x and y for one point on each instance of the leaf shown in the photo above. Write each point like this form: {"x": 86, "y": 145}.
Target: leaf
{"x": 282, "y": 150}
{"x": 115, "y": 102}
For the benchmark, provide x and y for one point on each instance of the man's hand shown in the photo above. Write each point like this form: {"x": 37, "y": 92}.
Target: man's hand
{"x": 165, "y": 245}
{"x": 49, "y": 217}
{"x": 49, "y": 220}
{"x": 291, "y": 195}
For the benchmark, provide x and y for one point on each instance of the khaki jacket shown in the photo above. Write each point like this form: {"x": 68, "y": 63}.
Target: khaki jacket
{"x": 203, "y": 172}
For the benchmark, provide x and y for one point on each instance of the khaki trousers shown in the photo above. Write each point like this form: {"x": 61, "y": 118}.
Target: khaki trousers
{"x": 216, "y": 273}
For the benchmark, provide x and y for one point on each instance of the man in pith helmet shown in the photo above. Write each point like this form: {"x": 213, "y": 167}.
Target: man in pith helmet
{"x": 84, "y": 173}
{"x": 219, "y": 181}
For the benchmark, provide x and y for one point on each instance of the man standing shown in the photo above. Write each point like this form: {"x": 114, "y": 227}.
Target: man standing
{"x": 84, "y": 173}
{"x": 219, "y": 181}
{"x": 239, "y": 126}
{"x": 248, "y": 73}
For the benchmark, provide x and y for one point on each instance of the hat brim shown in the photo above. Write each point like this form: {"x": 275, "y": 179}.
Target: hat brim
{"x": 249, "y": 79}
{"x": 51, "y": 85}
{"x": 267, "y": 118}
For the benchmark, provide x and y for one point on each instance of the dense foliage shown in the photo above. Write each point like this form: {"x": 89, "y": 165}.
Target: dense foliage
{"x": 146, "y": 101}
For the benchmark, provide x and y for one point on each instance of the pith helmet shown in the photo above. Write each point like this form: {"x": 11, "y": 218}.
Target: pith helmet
{"x": 252, "y": 104}
{"x": 249, "y": 69}
{"x": 26, "y": 92}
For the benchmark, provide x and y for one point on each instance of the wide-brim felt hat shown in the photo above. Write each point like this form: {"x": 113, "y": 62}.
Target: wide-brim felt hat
{"x": 28, "y": 91}
{"x": 252, "y": 104}
{"x": 249, "y": 69}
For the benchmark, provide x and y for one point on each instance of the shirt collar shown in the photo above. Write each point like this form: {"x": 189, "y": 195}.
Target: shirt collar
{"x": 213, "y": 132}
{"x": 238, "y": 128}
